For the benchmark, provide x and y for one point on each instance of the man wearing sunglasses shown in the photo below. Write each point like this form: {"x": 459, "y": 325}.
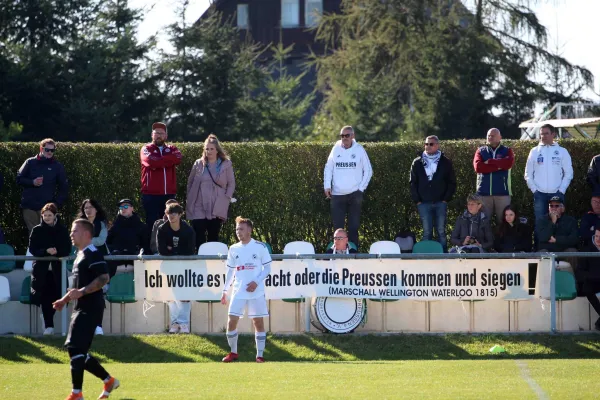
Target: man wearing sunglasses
{"x": 347, "y": 175}
{"x": 128, "y": 235}
{"x": 44, "y": 180}
{"x": 557, "y": 232}
{"x": 432, "y": 186}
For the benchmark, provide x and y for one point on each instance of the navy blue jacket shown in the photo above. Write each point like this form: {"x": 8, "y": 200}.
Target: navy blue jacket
{"x": 54, "y": 189}
{"x": 493, "y": 178}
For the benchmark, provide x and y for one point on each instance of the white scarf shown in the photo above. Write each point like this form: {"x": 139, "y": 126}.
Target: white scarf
{"x": 430, "y": 163}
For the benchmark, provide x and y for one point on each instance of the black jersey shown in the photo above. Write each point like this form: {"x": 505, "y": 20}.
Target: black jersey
{"x": 89, "y": 265}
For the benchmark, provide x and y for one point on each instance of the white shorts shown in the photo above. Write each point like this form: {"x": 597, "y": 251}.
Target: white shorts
{"x": 256, "y": 307}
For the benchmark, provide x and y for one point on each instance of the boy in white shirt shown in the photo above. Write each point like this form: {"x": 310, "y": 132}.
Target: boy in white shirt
{"x": 248, "y": 265}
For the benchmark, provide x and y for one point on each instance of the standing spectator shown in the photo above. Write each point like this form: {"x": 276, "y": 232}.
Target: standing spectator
{"x": 175, "y": 238}
{"x": 128, "y": 235}
{"x": 44, "y": 180}
{"x": 589, "y": 223}
{"x": 472, "y": 232}
{"x": 548, "y": 171}
{"x": 492, "y": 163}
{"x": 92, "y": 211}
{"x": 557, "y": 232}
{"x": 593, "y": 175}
{"x": 513, "y": 235}
{"x": 588, "y": 274}
{"x": 209, "y": 191}
{"x": 49, "y": 238}
{"x": 432, "y": 185}
{"x": 347, "y": 175}
{"x": 159, "y": 180}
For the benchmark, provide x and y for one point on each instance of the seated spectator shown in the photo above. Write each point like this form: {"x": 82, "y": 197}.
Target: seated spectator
{"x": 92, "y": 211}
{"x": 588, "y": 274}
{"x": 589, "y": 223}
{"x": 557, "y": 232}
{"x": 340, "y": 243}
{"x": 128, "y": 235}
{"x": 157, "y": 224}
{"x": 472, "y": 232}
{"x": 176, "y": 238}
{"x": 513, "y": 236}
{"x": 49, "y": 238}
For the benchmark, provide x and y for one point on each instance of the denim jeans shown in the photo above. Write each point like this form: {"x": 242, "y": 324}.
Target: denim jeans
{"x": 540, "y": 203}
{"x": 430, "y": 212}
{"x": 179, "y": 311}
{"x": 347, "y": 204}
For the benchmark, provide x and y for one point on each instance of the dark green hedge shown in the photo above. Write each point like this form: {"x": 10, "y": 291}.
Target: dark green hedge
{"x": 280, "y": 185}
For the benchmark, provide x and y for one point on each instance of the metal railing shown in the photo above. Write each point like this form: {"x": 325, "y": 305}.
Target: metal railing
{"x": 357, "y": 256}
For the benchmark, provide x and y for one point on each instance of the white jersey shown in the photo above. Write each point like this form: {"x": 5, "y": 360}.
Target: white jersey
{"x": 248, "y": 263}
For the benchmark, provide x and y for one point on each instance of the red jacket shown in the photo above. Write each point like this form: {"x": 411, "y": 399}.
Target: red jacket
{"x": 158, "y": 170}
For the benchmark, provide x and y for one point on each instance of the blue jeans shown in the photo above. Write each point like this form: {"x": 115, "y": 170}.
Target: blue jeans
{"x": 430, "y": 212}
{"x": 540, "y": 203}
{"x": 179, "y": 312}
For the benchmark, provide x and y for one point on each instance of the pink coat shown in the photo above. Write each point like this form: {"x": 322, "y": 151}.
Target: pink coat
{"x": 205, "y": 200}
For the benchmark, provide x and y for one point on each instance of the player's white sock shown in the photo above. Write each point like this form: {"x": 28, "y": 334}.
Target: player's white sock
{"x": 232, "y": 338}
{"x": 261, "y": 340}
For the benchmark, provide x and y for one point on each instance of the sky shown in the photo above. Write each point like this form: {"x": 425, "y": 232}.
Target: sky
{"x": 571, "y": 24}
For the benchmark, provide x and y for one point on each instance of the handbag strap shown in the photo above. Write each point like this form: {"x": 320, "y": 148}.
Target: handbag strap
{"x": 211, "y": 177}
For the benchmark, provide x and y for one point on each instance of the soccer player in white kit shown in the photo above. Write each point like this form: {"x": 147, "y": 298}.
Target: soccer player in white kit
{"x": 248, "y": 265}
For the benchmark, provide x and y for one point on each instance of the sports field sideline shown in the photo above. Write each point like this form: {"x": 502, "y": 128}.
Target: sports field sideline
{"x": 315, "y": 366}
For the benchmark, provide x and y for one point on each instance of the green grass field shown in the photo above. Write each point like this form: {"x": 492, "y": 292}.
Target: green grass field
{"x": 315, "y": 366}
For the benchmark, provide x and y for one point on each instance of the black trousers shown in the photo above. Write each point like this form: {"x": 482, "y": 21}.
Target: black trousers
{"x": 590, "y": 287}
{"x": 82, "y": 328}
{"x": 46, "y": 288}
{"x": 207, "y": 230}
{"x": 350, "y": 205}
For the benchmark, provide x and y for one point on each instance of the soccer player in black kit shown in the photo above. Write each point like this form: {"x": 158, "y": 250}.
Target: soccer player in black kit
{"x": 91, "y": 274}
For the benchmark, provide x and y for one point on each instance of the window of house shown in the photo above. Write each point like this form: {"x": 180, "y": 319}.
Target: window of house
{"x": 290, "y": 13}
{"x": 242, "y": 16}
{"x": 314, "y": 9}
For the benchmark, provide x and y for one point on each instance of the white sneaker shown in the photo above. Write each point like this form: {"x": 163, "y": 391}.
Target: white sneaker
{"x": 43, "y": 322}
{"x": 184, "y": 328}
{"x": 98, "y": 331}
{"x": 174, "y": 328}
{"x": 49, "y": 331}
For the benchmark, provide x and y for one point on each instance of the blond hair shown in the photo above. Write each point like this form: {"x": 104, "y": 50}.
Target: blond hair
{"x": 212, "y": 139}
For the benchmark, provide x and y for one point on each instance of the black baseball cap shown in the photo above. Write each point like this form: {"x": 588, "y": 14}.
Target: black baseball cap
{"x": 555, "y": 199}
{"x": 124, "y": 201}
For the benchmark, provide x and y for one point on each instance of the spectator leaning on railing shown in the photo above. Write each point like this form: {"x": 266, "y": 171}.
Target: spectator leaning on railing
{"x": 44, "y": 180}
{"x": 346, "y": 176}
{"x": 176, "y": 238}
{"x": 48, "y": 239}
{"x": 128, "y": 235}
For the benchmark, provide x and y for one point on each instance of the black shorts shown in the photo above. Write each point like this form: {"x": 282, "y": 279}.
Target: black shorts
{"x": 82, "y": 328}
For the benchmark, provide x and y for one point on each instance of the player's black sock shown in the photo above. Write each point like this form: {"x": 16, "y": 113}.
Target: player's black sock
{"x": 93, "y": 367}
{"x": 77, "y": 368}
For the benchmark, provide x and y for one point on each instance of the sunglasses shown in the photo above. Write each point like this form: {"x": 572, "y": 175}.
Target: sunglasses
{"x": 555, "y": 205}
{"x": 125, "y": 207}
{"x": 345, "y": 135}
{"x": 340, "y": 238}
{"x": 47, "y": 150}
{"x": 430, "y": 144}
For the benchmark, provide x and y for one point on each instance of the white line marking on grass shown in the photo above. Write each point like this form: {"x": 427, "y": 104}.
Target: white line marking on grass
{"x": 537, "y": 389}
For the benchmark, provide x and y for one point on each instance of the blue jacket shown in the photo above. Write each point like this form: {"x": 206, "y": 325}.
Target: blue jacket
{"x": 493, "y": 178}
{"x": 54, "y": 189}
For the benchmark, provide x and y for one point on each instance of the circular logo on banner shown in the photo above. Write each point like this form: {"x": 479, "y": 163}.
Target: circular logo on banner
{"x": 339, "y": 314}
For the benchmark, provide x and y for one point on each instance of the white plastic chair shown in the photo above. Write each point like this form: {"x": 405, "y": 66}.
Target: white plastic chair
{"x": 212, "y": 249}
{"x": 4, "y": 290}
{"x": 299, "y": 248}
{"x": 384, "y": 247}
{"x": 28, "y": 266}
